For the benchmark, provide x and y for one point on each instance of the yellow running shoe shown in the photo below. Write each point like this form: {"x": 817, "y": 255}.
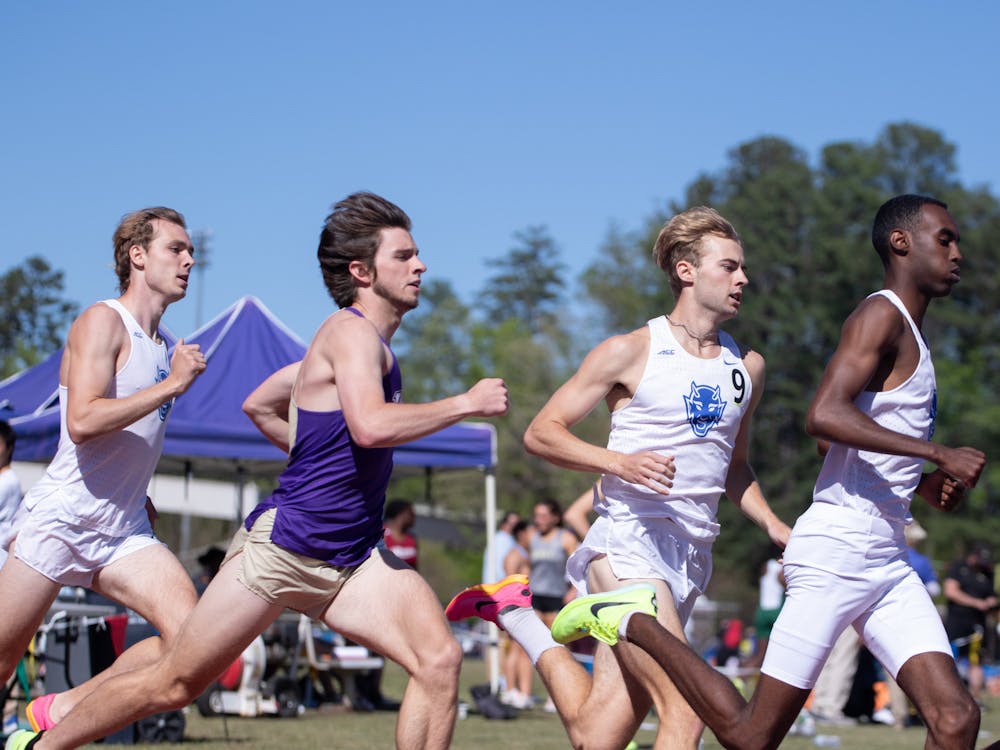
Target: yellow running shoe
{"x": 598, "y": 615}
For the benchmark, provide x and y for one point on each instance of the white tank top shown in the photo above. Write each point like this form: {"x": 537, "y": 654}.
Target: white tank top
{"x": 687, "y": 407}
{"x": 880, "y": 484}
{"x": 101, "y": 484}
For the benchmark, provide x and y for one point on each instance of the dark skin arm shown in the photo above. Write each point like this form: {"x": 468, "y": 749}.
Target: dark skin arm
{"x": 877, "y": 351}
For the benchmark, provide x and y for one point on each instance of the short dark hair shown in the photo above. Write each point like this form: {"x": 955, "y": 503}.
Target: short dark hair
{"x": 352, "y": 232}
{"x": 395, "y": 508}
{"x": 553, "y": 505}
{"x": 518, "y": 527}
{"x": 901, "y": 212}
{"x": 136, "y": 228}
{"x": 507, "y": 516}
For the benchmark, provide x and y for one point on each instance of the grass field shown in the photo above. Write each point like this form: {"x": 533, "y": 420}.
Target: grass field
{"x": 533, "y": 729}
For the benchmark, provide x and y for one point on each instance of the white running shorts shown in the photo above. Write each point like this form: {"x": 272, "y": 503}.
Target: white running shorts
{"x": 842, "y": 568}
{"x": 71, "y": 554}
{"x": 655, "y": 548}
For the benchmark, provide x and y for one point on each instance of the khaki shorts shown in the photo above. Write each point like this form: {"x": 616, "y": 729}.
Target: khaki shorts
{"x": 279, "y": 576}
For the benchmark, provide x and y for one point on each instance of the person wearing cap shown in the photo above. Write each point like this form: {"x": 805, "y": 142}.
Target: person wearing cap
{"x": 970, "y": 592}
{"x": 899, "y": 704}
{"x": 921, "y": 564}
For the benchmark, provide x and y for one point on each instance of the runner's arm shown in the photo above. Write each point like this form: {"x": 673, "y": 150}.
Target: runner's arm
{"x": 742, "y": 487}
{"x": 268, "y": 406}
{"x": 871, "y": 332}
{"x": 616, "y": 362}
{"x": 359, "y": 359}
{"x": 96, "y": 339}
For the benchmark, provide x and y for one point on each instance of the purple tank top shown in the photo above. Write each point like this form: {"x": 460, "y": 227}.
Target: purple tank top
{"x": 331, "y": 495}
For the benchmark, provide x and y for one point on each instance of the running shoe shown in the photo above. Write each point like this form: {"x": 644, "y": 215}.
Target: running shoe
{"x": 488, "y": 600}
{"x": 598, "y": 615}
{"x": 22, "y": 739}
{"x": 38, "y": 712}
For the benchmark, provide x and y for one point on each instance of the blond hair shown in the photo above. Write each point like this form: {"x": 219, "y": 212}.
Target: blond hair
{"x": 680, "y": 239}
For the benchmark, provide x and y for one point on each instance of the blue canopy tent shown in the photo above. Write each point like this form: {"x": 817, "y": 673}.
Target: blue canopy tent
{"x": 207, "y": 433}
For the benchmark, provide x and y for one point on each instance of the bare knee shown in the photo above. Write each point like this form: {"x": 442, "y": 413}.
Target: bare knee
{"x": 175, "y": 691}
{"x": 955, "y": 724}
{"x": 179, "y": 693}
{"x": 440, "y": 662}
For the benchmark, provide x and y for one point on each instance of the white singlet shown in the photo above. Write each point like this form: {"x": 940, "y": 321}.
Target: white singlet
{"x": 101, "y": 484}
{"x": 687, "y": 407}
{"x": 690, "y": 408}
{"x": 846, "y": 561}
{"x": 878, "y": 483}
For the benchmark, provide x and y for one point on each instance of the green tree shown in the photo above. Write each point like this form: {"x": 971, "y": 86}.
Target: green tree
{"x": 528, "y": 282}
{"x": 624, "y": 285}
{"x": 526, "y": 334}
{"x": 33, "y": 314}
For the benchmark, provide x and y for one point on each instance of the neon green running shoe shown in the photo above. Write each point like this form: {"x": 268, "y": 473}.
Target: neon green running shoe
{"x": 598, "y": 615}
{"x": 22, "y": 739}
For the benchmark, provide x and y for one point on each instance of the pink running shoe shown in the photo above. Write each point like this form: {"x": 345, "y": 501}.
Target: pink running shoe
{"x": 488, "y": 600}
{"x": 38, "y": 712}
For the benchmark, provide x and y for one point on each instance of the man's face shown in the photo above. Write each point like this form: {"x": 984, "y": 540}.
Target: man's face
{"x": 409, "y": 518}
{"x": 168, "y": 260}
{"x": 544, "y": 519}
{"x": 720, "y": 276}
{"x": 935, "y": 251}
{"x": 397, "y": 269}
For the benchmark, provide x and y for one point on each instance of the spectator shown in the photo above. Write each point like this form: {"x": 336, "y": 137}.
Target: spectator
{"x": 10, "y": 488}
{"x": 517, "y": 670}
{"x": 399, "y": 519}
{"x": 970, "y": 592}
{"x": 899, "y": 704}
{"x": 210, "y": 562}
{"x": 503, "y": 542}
{"x": 771, "y": 587}
{"x": 920, "y": 563}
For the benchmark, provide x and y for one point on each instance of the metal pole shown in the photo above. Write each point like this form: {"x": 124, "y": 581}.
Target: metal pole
{"x": 491, "y": 565}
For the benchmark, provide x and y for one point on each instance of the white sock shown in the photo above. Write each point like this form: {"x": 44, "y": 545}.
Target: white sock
{"x": 528, "y": 630}
{"x": 623, "y": 625}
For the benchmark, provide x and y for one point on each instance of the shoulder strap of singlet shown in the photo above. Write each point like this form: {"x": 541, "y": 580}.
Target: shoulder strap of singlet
{"x": 123, "y": 313}
{"x": 361, "y": 315}
{"x": 898, "y": 304}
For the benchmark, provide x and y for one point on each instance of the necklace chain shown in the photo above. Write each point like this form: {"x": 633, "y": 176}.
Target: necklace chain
{"x": 703, "y": 340}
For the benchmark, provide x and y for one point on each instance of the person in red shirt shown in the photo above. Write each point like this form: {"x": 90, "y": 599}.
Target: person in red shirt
{"x": 399, "y": 519}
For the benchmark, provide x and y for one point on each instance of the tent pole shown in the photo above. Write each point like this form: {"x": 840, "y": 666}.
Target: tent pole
{"x": 240, "y": 471}
{"x": 491, "y": 565}
{"x": 184, "y": 543}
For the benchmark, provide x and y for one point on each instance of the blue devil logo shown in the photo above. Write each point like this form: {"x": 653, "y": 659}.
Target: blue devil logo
{"x": 164, "y": 409}
{"x": 704, "y": 407}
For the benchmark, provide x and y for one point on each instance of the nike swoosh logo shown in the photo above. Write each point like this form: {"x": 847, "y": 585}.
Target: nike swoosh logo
{"x": 727, "y": 362}
{"x": 595, "y": 608}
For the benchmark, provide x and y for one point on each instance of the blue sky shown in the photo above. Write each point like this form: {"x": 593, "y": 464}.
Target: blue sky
{"x": 479, "y": 119}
